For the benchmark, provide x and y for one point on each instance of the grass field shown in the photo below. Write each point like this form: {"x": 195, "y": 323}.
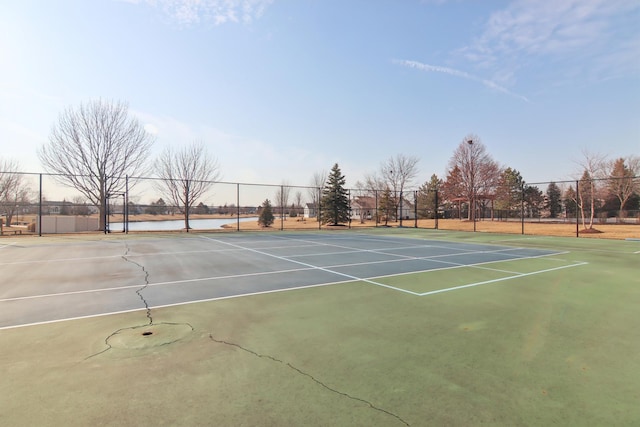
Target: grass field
{"x": 538, "y": 342}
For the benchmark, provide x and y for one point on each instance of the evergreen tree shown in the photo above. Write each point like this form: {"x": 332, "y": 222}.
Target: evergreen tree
{"x": 427, "y": 197}
{"x": 533, "y": 200}
{"x": 202, "y": 209}
{"x": 509, "y": 194}
{"x": 156, "y": 208}
{"x": 266, "y": 215}
{"x": 335, "y": 200}
{"x": 570, "y": 202}
{"x": 386, "y": 206}
{"x": 554, "y": 200}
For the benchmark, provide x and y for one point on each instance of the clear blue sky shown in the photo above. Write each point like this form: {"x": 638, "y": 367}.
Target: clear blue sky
{"x": 281, "y": 89}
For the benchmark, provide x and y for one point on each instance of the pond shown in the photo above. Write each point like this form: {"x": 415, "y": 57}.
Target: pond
{"x": 178, "y": 224}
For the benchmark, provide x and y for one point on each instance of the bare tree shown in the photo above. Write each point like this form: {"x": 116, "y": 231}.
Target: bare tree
{"x": 318, "y": 181}
{"x": 94, "y": 147}
{"x": 397, "y": 173}
{"x": 592, "y": 168}
{"x": 297, "y": 197}
{"x": 373, "y": 183}
{"x": 478, "y": 172}
{"x": 282, "y": 196}
{"x": 185, "y": 175}
{"x": 14, "y": 190}
{"x": 79, "y": 206}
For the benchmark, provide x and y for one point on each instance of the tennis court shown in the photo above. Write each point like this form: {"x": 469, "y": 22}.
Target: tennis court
{"x": 67, "y": 281}
{"x": 376, "y": 327}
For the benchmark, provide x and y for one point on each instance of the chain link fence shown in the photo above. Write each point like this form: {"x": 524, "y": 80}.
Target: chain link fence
{"x": 41, "y": 204}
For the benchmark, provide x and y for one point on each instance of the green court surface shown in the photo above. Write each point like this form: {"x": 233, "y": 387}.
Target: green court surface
{"x": 550, "y": 336}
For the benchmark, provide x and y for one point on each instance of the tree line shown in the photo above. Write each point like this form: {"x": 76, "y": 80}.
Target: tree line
{"x": 99, "y": 149}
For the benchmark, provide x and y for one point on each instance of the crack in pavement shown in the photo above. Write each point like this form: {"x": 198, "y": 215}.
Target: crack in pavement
{"x": 139, "y": 293}
{"x": 314, "y": 379}
{"x": 146, "y": 283}
{"x": 109, "y": 346}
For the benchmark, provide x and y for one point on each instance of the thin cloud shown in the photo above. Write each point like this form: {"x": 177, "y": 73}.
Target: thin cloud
{"x": 218, "y": 12}
{"x": 457, "y": 73}
{"x": 581, "y": 31}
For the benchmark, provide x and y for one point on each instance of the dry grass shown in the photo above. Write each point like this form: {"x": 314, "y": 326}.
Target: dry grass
{"x": 607, "y": 231}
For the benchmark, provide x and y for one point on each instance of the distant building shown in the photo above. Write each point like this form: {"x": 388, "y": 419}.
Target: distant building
{"x": 310, "y": 210}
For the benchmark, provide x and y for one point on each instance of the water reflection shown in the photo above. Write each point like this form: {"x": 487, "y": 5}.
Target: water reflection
{"x": 178, "y": 224}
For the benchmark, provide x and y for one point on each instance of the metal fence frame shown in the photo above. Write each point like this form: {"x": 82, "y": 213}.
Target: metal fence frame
{"x": 407, "y": 209}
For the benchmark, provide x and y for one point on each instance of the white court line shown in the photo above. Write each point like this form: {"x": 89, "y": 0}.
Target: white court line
{"x": 326, "y": 270}
{"x": 89, "y": 316}
{"x": 406, "y": 257}
{"x": 500, "y": 280}
{"x": 168, "y": 283}
{"x": 306, "y": 266}
{"x": 383, "y": 251}
{"x": 426, "y": 258}
{"x": 8, "y": 244}
{"x": 454, "y": 265}
{"x": 93, "y": 258}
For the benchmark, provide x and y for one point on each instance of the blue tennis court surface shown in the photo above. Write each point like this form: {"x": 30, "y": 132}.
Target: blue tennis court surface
{"x": 50, "y": 282}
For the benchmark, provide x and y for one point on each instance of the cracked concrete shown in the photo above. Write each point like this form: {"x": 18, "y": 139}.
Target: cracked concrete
{"x": 314, "y": 379}
{"x": 154, "y": 334}
{"x": 146, "y": 282}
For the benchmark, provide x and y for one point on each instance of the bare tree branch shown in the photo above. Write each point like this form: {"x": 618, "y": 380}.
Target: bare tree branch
{"x": 593, "y": 167}
{"x": 186, "y": 175}
{"x": 318, "y": 181}
{"x": 13, "y": 189}
{"x": 478, "y": 172}
{"x": 93, "y": 147}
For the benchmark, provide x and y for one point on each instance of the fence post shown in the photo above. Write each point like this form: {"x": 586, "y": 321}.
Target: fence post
{"x": 281, "y": 207}
{"x": 40, "y": 208}
{"x": 104, "y": 205}
{"x": 186, "y": 207}
{"x": 376, "y": 193}
{"x": 126, "y": 205}
{"x": 350, "y": 212}
{"x": 522, "y": 207}
{"x": 577, "y": 219}
{"x": 415, "y": 209}
{"x": 238, "y": 205}
{"x": 401, "y": 213}
{"x": 318, "y": 209}
{"x": 436, "y": 207}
